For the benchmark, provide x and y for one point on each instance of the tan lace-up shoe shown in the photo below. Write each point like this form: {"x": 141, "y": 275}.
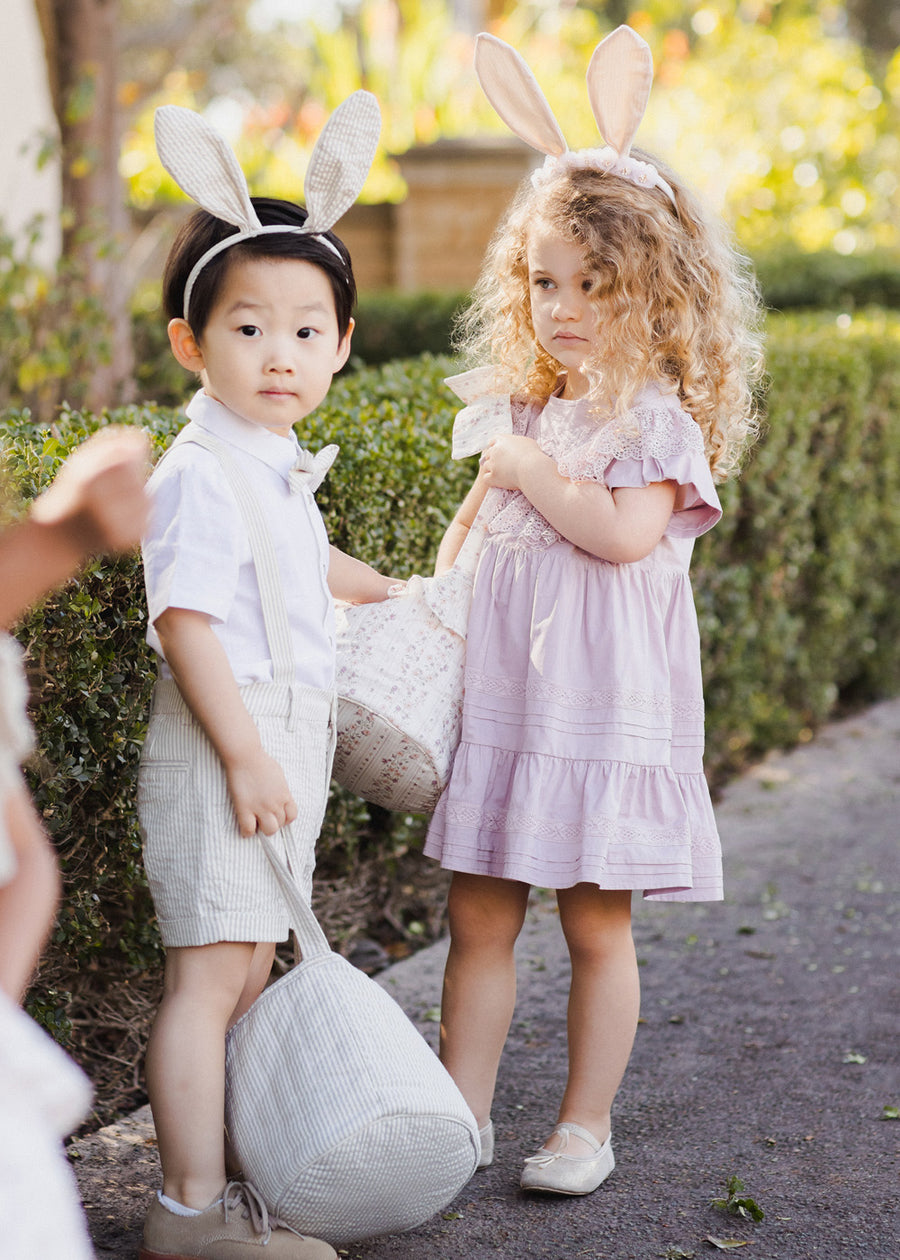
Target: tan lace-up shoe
{"x": 235, "y": 1227}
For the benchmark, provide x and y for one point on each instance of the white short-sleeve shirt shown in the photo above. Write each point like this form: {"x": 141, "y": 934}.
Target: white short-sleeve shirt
{"x": 197, "y": 555}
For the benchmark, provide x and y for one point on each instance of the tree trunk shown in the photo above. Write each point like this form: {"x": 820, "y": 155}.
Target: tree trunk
{"x": 81, "y": 43}
{"x": 876, "y": 24}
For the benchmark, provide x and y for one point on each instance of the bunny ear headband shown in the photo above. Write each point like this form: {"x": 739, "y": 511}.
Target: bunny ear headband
{"x": 201, "y": 163}
{"x": 618, "y": 80}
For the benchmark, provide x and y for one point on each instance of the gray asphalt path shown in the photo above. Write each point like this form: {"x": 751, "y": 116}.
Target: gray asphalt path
{"x": 769, "y": 1048}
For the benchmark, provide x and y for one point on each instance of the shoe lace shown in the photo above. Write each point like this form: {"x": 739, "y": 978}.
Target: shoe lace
{"x": 244, "y": 1196}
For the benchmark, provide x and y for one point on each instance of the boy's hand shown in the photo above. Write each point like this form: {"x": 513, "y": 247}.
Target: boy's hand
{"x": 98, "y": 497}
{"x": 261, "y": 797}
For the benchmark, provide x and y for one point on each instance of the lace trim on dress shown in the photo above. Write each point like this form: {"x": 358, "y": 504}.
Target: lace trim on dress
{"x": 649, "y": 432}
{"x": 659, "y": 431}
{"x": 647, "y": 702}
{"x": 602, "y": 828}
{"x": 517, "y": 515}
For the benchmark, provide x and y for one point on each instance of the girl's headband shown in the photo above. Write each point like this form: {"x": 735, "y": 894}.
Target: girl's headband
{"x": 618, "y": 80}
{"x": 201, "y": 163}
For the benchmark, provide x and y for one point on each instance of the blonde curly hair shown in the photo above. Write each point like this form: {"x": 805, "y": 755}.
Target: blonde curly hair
{"x": 676, "y": 301}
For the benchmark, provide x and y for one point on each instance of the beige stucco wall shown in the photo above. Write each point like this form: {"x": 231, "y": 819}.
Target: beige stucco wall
{"x": 27, "y": 117}
{"x": 458, "y": 190}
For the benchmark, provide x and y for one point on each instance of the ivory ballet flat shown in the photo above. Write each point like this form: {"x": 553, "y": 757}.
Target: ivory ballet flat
{"x": 555, "y": 1172}
{"x": 486, "y": 1137}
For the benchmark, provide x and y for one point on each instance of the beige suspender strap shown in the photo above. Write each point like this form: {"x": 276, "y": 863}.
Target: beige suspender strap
{"x": 265, "y": 562}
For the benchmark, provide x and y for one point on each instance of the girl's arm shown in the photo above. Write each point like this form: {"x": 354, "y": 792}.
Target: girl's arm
{"x": 256, "y": 784}
{"x": 97, "y": 503}
{"x": 28, "y": 902}
{"x": 462, "y": 522}
{"x": 34, "y": 558}
{"x": 620, "y": 526}
{"x": 356, "y": 582}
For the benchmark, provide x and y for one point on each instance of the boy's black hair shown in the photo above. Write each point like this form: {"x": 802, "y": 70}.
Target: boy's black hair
{"x": 203, "y": 230}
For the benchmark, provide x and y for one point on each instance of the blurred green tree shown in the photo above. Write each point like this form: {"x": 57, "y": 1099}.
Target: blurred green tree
{"x": 770, "y": 107}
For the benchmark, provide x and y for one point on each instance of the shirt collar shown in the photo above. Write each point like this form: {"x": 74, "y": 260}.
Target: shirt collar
{"x": 278, "y": 453}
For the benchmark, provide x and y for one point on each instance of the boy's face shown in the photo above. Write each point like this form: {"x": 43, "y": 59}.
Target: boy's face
{"x": 271, "y": 345}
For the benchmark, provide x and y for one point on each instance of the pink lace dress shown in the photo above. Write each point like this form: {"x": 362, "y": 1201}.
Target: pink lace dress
{"x": 582, "y": 733}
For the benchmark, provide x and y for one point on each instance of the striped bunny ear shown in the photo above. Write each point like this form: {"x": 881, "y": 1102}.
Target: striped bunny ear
{"x": 202, "y": 164}
{"x": 516, "y": 95}
{"x": 618, "y": 80}
{"x": 341, "y": 159}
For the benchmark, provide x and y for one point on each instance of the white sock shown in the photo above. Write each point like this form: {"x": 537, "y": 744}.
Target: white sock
{"x": 178, "y": 1208}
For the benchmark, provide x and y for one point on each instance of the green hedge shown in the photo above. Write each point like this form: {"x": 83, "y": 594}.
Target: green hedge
{"x": 791, "y": 280}
{"x": 402, "y": 325}
{"x": 796, "y": 591}
{"x": 389, "y": 326}
{"x": 797, "y": 586}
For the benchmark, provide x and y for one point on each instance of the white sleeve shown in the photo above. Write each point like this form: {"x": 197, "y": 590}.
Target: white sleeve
{"x": 196, "y": 541}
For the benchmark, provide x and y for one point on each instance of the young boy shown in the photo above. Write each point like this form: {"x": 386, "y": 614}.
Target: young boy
{"x": 240, "y": 585}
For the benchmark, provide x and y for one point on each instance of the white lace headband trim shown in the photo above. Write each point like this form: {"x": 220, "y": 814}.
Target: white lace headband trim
{"x": 643, "y": 174}
{"x": 200, "y": 161}
{"x": 619, "y": 77}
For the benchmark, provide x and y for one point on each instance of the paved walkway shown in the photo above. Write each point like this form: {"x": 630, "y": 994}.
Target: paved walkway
{"x": 769, "y": 1048}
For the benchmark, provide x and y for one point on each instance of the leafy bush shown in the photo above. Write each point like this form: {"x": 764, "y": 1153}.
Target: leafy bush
{"x": 792, "y": 280}
{"x": 797, "y": 585}
{"x": 49, "y": 325}
{"x": 388, "y": 326}
{"x": 401, "y": 325}
{"x": 92, "y": 674}
{"x": 795, "y": 591}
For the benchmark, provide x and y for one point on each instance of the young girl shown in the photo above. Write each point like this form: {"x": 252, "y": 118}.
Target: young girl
{"x": 96, "y": 504}
{"x": 623, "y": 325}
{"x": 240, "y": 580}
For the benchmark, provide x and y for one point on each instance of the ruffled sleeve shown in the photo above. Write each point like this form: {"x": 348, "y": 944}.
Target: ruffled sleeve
{"x": 656, "y": 441}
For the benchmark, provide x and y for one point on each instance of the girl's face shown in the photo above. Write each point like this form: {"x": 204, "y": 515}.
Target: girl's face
{"x": 563, "y": 305}
{"x": 271, "y": 345}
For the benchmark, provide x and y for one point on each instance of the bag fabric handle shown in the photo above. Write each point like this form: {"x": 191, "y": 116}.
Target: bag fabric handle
{"x": 306, "y": 927}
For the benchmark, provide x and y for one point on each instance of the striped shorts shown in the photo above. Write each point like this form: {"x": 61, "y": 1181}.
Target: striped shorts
{"x": 209, "y": 883}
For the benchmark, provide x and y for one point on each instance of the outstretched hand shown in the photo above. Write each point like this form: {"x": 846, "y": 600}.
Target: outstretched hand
{"x": 98, "y": 495}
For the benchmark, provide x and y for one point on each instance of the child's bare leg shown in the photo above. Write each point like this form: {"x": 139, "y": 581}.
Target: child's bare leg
{"x": 28, "y": 901}
{"x": 604, "y": 1003}
{"x": 257, "y": 978}
{"x": 204, "y": 987}
{"x": 486, "y": 916}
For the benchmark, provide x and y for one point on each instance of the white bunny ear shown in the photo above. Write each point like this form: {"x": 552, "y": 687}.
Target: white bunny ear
{"x": 341, "y": 159}
{"x": 515, "y": 94}
{"x": 202, "y": 164}
{"x": 618, "y": 79}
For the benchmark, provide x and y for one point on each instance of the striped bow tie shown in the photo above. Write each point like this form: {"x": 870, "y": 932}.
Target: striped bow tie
{"x": 310, "y": 470}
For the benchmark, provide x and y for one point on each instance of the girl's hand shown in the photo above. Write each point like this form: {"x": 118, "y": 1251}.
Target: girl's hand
{"x": 505, "y": 459}
{"x": 259, "y": 792}
{"x": 98, "y": 495}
